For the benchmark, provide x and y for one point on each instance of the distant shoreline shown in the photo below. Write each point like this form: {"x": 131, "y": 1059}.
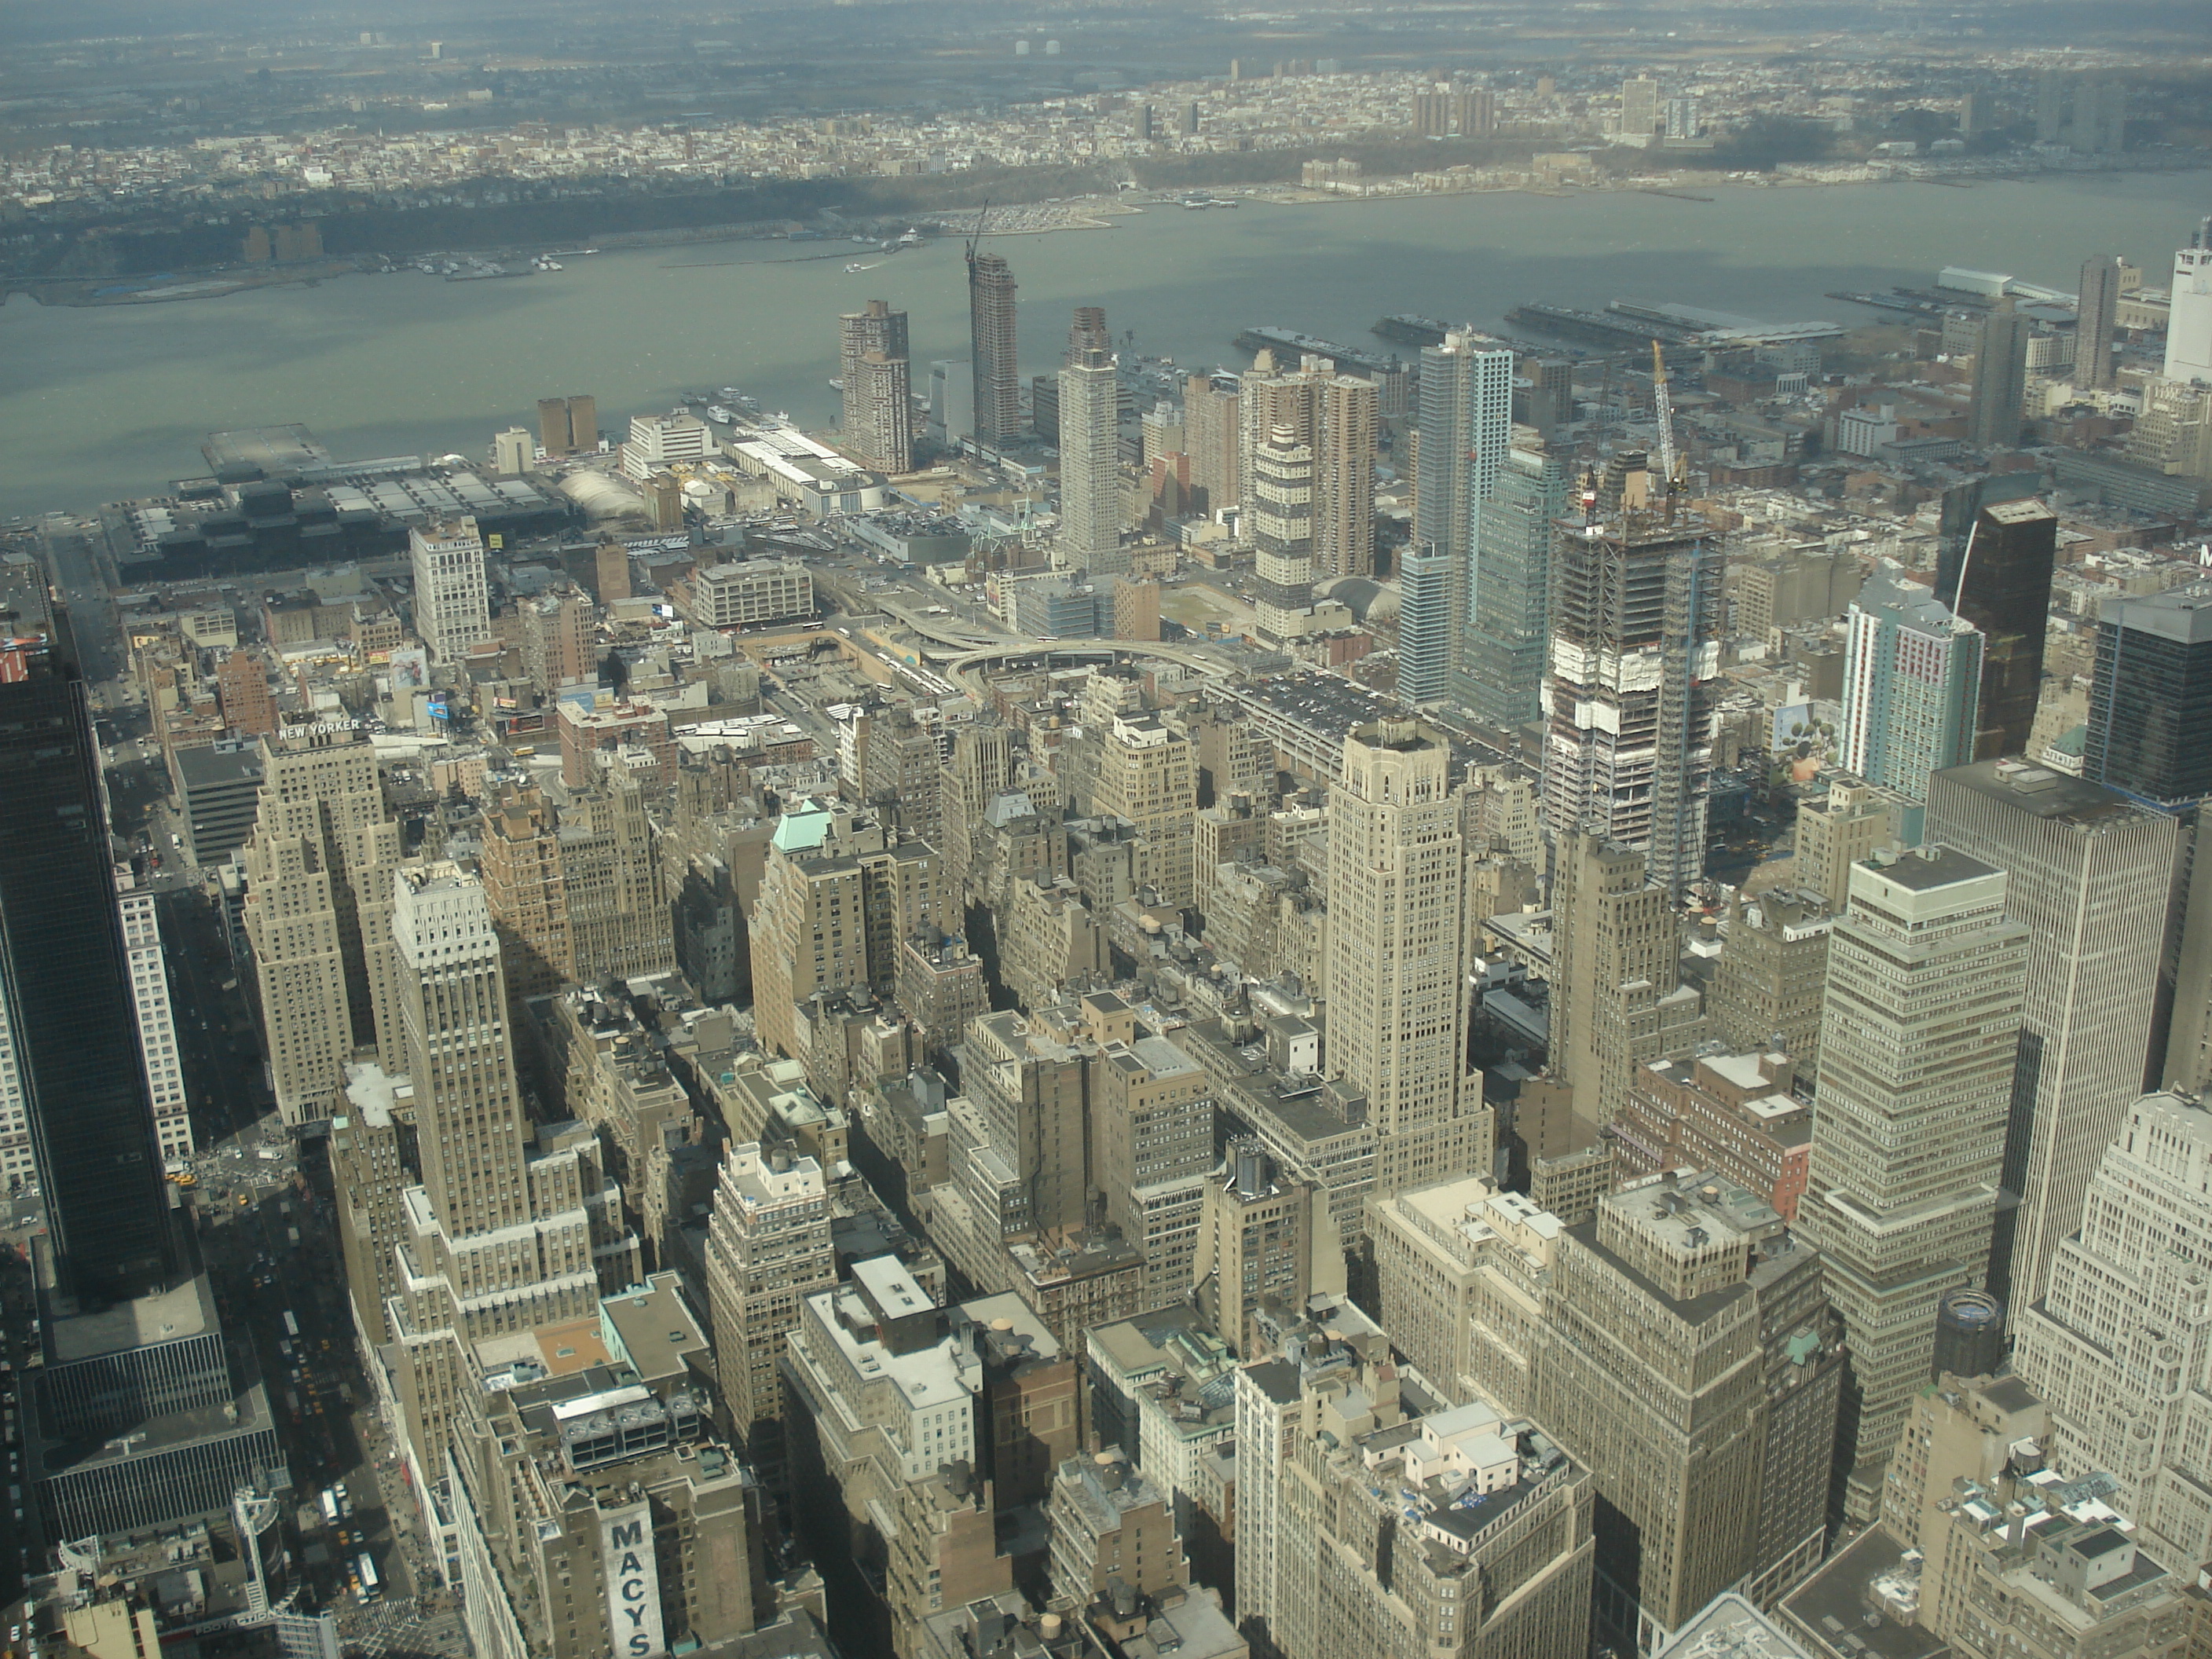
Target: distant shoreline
{"x": 222, "y": 280}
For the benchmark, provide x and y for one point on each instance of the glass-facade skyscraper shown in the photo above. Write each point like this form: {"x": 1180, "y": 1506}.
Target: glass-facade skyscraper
{"x": 2150, "y": 704}
{"x": 1504, "y": 655}
{"x": 65, "y": 981}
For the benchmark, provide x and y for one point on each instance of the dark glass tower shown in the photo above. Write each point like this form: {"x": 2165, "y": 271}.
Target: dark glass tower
{"x": 2002, "y": 586}
{"x": 2150, "y": 706}
{"x": 65, "y": 985}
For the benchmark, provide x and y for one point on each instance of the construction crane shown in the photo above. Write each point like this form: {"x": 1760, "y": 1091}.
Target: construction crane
{"x": 983, "y": 218}
{"x": 1663, "y": 406}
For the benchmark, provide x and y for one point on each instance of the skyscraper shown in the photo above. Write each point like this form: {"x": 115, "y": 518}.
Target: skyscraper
{"x": 453, "y": 606}
{"x": 2097, "y": 307}
{"x": 503, "y": 1236}
{"x": 2189, "y": 323}
{"x": 1639, "y": 106}
{"x": 1912, "y": 681}
{"x": 991, "y": 318}
{"x": 1504, "y": 655}
{"x": 1425, "y": 631}
{"x": 2090, "y": 872}
{"x": 1467, "y": 425}
{"x": 2150, "y": 704}
{"x": 1398, "y": 1011}
{"x": 65, "y": 991}
{"x": 878, "y": 418}
{"x": 317, "y": 914}
{"x": 1090, "y": 463}
{"x": 1920, "y": 1033}
{"x": 1343, "y": 476}
{"x": 2002, "y": 586}
{"x": 2119, "y": 1348}
{"x": 1280, "y": 527}
{"x": 1635, "y": 649}
{"x": 1210, "y": 432}
{"x": 1999, "y": 392}
{"x": 1688, "y": 1355}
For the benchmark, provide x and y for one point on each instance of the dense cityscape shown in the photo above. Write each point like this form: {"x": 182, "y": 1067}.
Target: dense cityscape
{"x": 1530, "y": 988}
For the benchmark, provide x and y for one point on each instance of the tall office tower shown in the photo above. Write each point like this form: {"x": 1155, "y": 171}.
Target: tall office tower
{"x": 1090, "y": 465}
{"x": 583, "y": 422}
{"x": 2002, "y": 586}
{"x": 242, "y": 689}
{"x": 2150, "y": 703}
{"x": 997, "y": 372}
{"x": 1347, "y": 1477}
{"x": 1088, "y": 334}
{"x": 1618, "y": 1000}
{"x": 1210, "y": 430}
{"x": 1913, "y": 685}
{"x": 1148, "y": 774}
{"x": 1919, "y": 1041}
{"x": 1425, "y": 630}
{"x": 1504, "y": 655}
{"x": 157, "y": 1031}
{"x": 1279, "y": 517}
{"x": 2118, "y": 1346}
{"x": 1639, "y": 106}
{"x": 980, "y": 765}
{"x": 2091, "y": 873}
{"x": 66, "y": 989}
{"x": 1466, "y": 427}
{"x": 1848, "y": 824}
{"x": 1688, "y": 1357}
{"x": 553, "y": 425}
{"x": 453, "y": 606}
{"x": 560, "y": 645}
{"x": 1343, "y": 476}
{"x": 878, "y": 427}
{"x": 1772, "y": 975}
{"x": 952, "y": 403}
{"x": 1628, "y": 746}
{"x": 767, "y": 1251}
{"x": 500, "y": 1237}
{"x": 1265, "y": 1240}
{"x": 2189, "y": 323}
{"x": 1398, "y": 1013}
{"x": 837, "y": 895}
{"x": 2096, "y": 311}
{"x": 2000, "y": 390}
{"x": 318, "y": 916}
{"x": 576, "y": 893}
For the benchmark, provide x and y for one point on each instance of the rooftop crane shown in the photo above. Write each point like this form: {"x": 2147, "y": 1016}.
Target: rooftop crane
{"x": 1664, "y": 405}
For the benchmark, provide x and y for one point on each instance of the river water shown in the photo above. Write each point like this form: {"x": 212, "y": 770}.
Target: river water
{"x": 106, "y": 402}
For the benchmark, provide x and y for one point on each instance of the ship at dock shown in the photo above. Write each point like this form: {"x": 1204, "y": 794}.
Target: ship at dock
{"x": 1407, "y": 329}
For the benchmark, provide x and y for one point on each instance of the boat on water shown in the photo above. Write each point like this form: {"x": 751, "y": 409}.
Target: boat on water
{"x": 836, "y": 384}
{"x": 719, "y": 415}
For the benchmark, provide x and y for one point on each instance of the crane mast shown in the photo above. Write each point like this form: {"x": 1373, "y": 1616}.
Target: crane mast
{"x": 1665, "y": 407}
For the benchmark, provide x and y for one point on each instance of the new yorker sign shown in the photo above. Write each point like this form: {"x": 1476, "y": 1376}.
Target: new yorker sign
{"x": 633, "y": 1582}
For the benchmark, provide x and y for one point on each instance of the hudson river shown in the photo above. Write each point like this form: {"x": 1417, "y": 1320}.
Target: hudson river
{"x": 105, "y": 402}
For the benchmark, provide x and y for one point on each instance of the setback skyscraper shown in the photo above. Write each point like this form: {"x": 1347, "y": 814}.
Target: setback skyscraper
{"x": 2189, "y": 325}
{"x": 1398, "y": 1009}
{"x": 1919, "y": 1036}
{"x": 998, "y": 411}
{"x": 65, "y": 985}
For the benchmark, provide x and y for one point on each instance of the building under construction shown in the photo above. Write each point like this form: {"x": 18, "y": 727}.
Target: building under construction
{"x": 1629, "y": 691}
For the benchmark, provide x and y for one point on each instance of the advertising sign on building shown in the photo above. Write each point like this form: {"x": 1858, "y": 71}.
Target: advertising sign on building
{"x": 633, "y": 1582}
